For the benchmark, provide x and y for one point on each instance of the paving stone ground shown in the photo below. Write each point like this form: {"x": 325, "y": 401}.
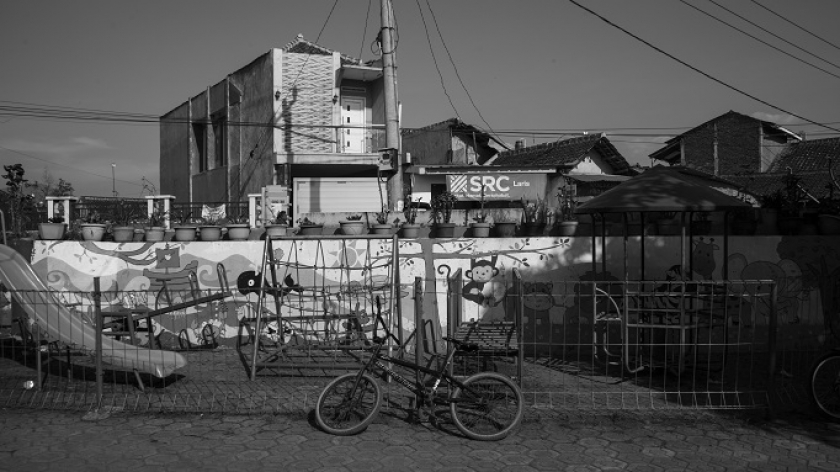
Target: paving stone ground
{"x": 50, "y": 440}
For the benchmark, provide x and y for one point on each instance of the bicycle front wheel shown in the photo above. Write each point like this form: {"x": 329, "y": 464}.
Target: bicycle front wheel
{"x": 824, "y": 385}
{"x": 345, "y": 407}
{"x": 488, "y": 407}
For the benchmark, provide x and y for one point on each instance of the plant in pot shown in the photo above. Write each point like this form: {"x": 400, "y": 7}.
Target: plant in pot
{"x": 155, "y": 226}
{"x": 566, "y": 223}
{"x": 534, "y": 216}
{"x": 442, "y": 207}
{"x": 480, "y": 227}
{"x": 124, "y": 213}
{"x": 411, "y": 229}
{"x": 382, "y": 226}
{"x": 828, "y": 216}
{"x": 93, "y": 227}
{"x": 210, "y": 228}
{"x": 352, "y": 225}
{"x": 308, "y": 227}
{"x": 238, "y": 227}
{"x": 53, "y": 229}
{"x": 277, "y": 226}
{"x": 185, "y": 229}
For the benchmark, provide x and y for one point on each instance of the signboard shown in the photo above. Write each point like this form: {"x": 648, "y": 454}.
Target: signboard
{"x": 497, "y": 186}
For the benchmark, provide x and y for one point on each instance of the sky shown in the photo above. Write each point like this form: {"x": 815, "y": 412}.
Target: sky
{"x": 539, "y": 70}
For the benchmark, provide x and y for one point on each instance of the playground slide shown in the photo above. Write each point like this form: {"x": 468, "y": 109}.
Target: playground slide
{"x": 40, "y": 304}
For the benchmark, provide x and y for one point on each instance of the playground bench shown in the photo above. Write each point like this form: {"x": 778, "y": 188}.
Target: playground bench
{"x": 492, "y": 339}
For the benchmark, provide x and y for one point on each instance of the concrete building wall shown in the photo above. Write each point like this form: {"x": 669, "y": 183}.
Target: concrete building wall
{"x": 429, "y": 147}
{"x": 738, "y": 146}
{"x": 174, "y": 160}
{"x": 307, "y": 90}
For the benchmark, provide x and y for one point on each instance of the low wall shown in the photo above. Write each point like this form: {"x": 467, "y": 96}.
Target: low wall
{"x": 806, "y": 270}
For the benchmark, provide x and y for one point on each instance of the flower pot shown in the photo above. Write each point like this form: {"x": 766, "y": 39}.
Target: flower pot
{"x": 533, "y": 229}
{"x": 239, "y": 231}
{"x": 310, "y": 229}
{"x": 185, "y": 233}
{"x": 139, "y": 235}
{"x": 210, "y": 233}
{"x": 828, "y": 224}
{"x": 505, "y": 229}
{"x": 567, "y": 228}
{"x": 379, "y": 228}
{"x": 155, "y": 234}
{"x": 445, "y": 230}
{"x": 123, "y": 234}
{"x": 480, "y": 230}
{"x": 352, "y": 227}
{"x": 93, "y": 231}
{"x": 274, "y": 231}
{"x": 410, "y": 230}
{"x": 51, "y": 231}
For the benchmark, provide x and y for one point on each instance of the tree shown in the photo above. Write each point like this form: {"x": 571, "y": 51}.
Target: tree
{"x": 19, "y": 205}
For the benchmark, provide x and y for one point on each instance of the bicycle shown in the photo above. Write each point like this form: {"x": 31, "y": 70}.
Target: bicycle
{"x": 824, "y": 384}
{"x": 485, "y": 406}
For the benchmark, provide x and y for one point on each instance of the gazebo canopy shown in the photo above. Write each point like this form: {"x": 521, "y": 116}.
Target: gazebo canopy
{"x": 661, "y": 189}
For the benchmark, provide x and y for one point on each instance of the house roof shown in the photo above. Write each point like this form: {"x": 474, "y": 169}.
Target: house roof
{"x": 671, "y": 150}
{"x": 661, "y": 189}
{"x": 456, "y": 126}
{"x": 815, "y": 155}
{"x": 302, "y": 46}
{"x": 566, "y": 153}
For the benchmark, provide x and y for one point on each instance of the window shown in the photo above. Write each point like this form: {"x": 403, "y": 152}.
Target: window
{"x": 200, "y": 135}
{"x": 219, "y": 140}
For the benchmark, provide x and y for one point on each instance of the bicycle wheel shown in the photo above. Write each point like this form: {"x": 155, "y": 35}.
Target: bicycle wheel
{"x": 488, "y": 407}
{"x": 344, "y": 410}
{"x": 824, "y": 385}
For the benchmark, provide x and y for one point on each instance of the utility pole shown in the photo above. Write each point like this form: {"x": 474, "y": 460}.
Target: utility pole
{"x": 392, "y": 125}
{"x": 114, "y": 179}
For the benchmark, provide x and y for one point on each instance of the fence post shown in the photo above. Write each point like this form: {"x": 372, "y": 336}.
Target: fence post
{"x": 771, "y": 350}
{"x": 97, "y": 296}
{"x": 419, "y": 327}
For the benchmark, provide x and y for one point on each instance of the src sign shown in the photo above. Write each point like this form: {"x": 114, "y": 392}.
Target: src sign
{"x": 496, "y": 186}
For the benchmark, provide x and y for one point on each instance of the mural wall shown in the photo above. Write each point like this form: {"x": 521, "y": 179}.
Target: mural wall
{"x": 351, "y": 276}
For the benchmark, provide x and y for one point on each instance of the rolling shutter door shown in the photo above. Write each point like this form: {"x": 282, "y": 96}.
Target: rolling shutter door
{"x": 330, "y": 195}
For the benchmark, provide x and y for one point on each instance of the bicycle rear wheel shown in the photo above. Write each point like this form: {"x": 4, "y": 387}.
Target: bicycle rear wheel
{"x": 488, "y": 407}
{"x": 345, "y": 408}
{"x": 824, "y": 385}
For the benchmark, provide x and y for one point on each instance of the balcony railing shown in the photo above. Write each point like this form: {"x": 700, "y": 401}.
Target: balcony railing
{"x": 359, "y": 139}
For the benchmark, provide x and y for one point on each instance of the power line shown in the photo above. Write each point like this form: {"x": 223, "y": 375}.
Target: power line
{"x": 64, "y": 165}
{"x": 684, "y": 2}
{"x": 695, "y": 69}
{"x": 364, "y": 34}
{"x": 434, "y": 60}
{"x": 455, "y": 68}
{"x": 774, "y": 34}
{"x": 796, "y": 25}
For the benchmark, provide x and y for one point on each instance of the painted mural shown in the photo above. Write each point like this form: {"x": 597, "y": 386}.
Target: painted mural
{"x": 326, "y": 277}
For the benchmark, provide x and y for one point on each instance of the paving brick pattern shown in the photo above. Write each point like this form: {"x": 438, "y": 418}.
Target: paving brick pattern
{"x": 108, "y": 440}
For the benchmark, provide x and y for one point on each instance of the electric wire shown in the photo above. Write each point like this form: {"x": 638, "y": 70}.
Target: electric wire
{"x": 774, "y": 34}
{"x": 77, "y": 169}
{"x": 455, "y": 68}
{"x": 434, "y": 60}
{"x": 684, "y": 2}
{"x": 796, "y": 25}
{"x": 364, "y": 34}
{"x": 695, "y": 69}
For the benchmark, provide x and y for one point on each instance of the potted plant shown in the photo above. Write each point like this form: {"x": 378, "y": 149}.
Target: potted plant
{"x": 210, "y": 228}
{"x": 411, "y": 229}
{"x": 442, "y": 207}
{"x": 53, "y": 229}
{"x": 566, "y": 223}
{"x": 480, "y": 227}
{"x": 308, "y": 227}
{"x": 92, "y": 227}
{"x": 277, "y": 226}
{"x": 382, "y": 226}
{"x": 828, "y": 216}
{"x": 238, "y": 227}
{"x": 185, "y": 229}
{"x": 353, "y": 225}
{"x": 534, "y": 216}
{"x": 124, "y": 213}
{"x": 155, "y": 230}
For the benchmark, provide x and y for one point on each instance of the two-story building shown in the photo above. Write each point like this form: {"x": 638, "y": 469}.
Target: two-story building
{"x": 302, "y": 117}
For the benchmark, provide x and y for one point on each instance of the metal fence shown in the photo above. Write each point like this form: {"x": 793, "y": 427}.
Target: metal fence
{"x": 584, "y": 345}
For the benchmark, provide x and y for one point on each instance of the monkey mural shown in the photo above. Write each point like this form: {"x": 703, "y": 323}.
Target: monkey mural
{"x": 480, "y": 273}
